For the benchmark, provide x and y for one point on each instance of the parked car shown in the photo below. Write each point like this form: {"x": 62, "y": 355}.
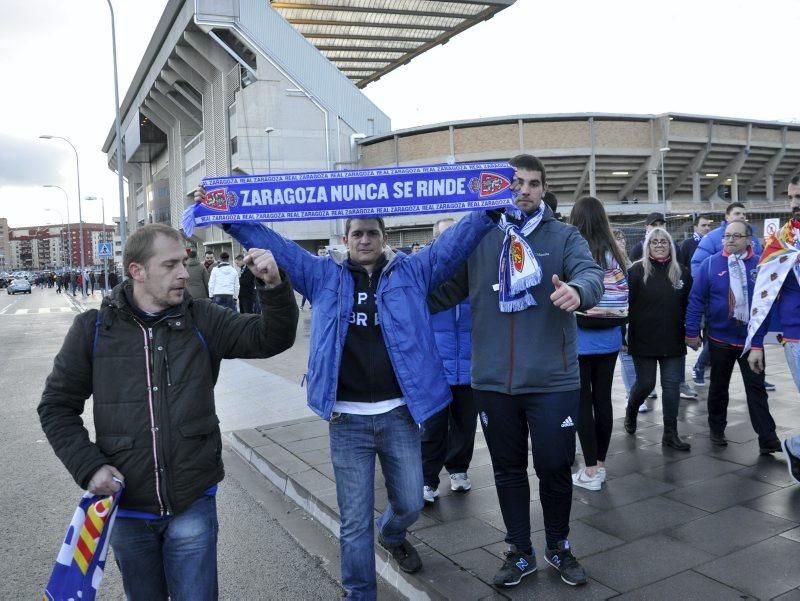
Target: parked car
{"x": 19, "y": 285}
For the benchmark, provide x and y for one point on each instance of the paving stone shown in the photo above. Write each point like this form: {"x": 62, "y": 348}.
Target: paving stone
{"x": 745, "y": 453}
{"x": 686, "y": 586}
{"x": 459, "y": 535}
{"x": 454, "y": 507}
{"x": 747, "y": 570}
{"x": 730, "y": 530}
{"x": 252, "y": 437}
{"x": 770, "y": 469}
{"x": 281, "y": 459}
{"x": 299, "y": 431}
{"x": 480, "y": 562}
{"x": 308, "y": 444}
{"x": 495, "y": 519}
{"x": 691, "y": 470}
{"x": 792, "y": 534}
{"x": 586, "y": 540}
{"x": 639, "y": 460}
{"x": 643, "y": 562}
{"x": 793, "y": 595}
{"x": 643, "y": 517}
{"x": 449, "y": 579}
{"x": 546, "y": 583}
{"x": 314, "y": 482}
{"x": 423, "y": 521}
{"x": 625, "y": 490}
{"x": 784, "y": 503}
{"x": 721, "y": 492}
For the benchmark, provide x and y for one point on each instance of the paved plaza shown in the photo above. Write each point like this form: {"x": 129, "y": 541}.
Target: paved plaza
{"x": 710, "y": 524}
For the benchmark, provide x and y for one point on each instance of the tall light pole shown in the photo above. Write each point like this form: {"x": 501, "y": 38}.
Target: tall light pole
{"x": 80, "y": 212}
{"x": 123, "y": 225}
{"x": 69, "y": 235}
{"x": 663, "y": 150}
{"x": 105, "y": 239}
{"x": 268, "y": 131}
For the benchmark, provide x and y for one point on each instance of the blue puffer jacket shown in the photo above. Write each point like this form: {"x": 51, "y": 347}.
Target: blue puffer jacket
{"x": 404, "y": 284}
{"x": 710, "y": 296}
{"x": 452, "y": 332}
{"x": 711, "y": 244}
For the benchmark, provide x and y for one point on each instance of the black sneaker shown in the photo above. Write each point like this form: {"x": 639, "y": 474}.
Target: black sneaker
{"x": 718, "y": 439}
{"x": 405, "y": 555}
{"x": 515, "y": 567}
{"x": 792, "y": 461}
{"x": 773, "y": 446}
{"x": 564, "y": 561}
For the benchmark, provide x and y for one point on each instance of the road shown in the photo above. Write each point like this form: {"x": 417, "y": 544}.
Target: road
{"x": 258, "y": 557}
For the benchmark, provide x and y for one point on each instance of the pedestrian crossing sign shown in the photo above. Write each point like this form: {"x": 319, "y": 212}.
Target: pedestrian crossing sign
{"x": 104, "y": 250}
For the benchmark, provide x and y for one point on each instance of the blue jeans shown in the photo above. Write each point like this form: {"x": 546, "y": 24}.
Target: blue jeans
{"x": 356, "y": 440}
{"x": 174, "y": 557}
{"x": 628, "y": 371}
{"x": 225, "y": 300}
{"x": 671, "y": 377}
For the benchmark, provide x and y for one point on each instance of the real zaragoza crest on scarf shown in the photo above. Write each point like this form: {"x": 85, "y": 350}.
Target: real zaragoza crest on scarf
{"x": 517, "y": 254}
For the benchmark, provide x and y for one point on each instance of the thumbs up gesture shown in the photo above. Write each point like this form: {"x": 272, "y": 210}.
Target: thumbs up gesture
{"x": 565, "y": 297}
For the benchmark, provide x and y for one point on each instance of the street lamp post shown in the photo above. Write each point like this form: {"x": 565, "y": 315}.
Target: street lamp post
{"x": 69, "y": 235}
{"x": 268, "y": 131}
{"x": 123, "y": 226}
{"x": 80, "y": 212}
{"x": 663, "y": 150}
{"x": 105, "y": 239}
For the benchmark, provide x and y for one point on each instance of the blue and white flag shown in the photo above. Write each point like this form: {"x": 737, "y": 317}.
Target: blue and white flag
{"x": 342, "y": 194}
{"x": 79, "y": 566}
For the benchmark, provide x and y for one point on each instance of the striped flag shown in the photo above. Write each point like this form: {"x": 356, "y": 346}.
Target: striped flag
{"x": 79, "y": 566}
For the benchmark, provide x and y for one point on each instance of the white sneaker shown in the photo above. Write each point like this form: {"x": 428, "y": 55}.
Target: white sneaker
{"x": 601, "y": 473}
{"x": 429, "y": 494}
{"x": 643, "y": 408}
{"x": 687, "y": 392}
{"x": 580, "y": 478}
{"x": 460, "y": 482}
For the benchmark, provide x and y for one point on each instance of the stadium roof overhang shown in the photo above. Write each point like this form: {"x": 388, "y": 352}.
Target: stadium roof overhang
{"x": 366, "y": 39}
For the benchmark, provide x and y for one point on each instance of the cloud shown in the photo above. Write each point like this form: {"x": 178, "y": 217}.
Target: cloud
{"x": 27, "y": 162}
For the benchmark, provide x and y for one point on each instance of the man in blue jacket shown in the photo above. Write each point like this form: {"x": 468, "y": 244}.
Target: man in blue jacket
{"x": 448, "y": 438}
{"x": 373, "y": 372}
{"x": 712, "y": 242}
{"x": 723, "y": 291}
{"x": 525, "y": 376}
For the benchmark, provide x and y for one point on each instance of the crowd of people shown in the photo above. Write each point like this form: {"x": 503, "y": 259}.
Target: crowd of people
{"x": 528, "y": 314}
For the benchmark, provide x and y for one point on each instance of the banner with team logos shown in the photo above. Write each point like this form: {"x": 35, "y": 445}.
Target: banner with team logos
{"x": 342, "y": 194}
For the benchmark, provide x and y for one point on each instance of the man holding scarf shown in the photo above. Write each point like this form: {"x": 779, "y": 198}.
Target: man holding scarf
{"x": 778, "y": 289}
{"x": 524, "y": 281}
{"x": 722, "y": 290}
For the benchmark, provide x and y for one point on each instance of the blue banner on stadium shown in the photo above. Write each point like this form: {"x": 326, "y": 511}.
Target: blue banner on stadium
{"x": 342, "y": 194}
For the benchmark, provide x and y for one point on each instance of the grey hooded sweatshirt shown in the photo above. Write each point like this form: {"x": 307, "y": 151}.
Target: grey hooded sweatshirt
{"x": 534, "y": 350}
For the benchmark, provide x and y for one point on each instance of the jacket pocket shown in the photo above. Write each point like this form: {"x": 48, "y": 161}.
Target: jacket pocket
{"x": 202, "y": 426}
{"x": 114, "y": 444}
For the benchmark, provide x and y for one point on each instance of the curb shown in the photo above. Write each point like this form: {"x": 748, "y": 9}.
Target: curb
{"x": 285, "y": 476}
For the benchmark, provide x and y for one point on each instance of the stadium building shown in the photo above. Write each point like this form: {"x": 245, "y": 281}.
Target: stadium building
{"x": 251, "y": 86}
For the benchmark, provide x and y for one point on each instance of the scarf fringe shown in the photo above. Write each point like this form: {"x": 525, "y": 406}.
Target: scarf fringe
{"x": 518, "y": 304}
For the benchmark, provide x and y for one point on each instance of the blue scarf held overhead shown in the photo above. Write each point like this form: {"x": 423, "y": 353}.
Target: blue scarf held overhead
{"x": 79, "y": 565}
{"x": 519, "y": 270}
{"x": 343, "y": 194}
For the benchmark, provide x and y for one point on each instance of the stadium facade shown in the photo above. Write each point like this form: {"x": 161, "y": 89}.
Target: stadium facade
{"x": 250, "y": 86}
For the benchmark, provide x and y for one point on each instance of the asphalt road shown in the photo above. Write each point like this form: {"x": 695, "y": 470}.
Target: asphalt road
{"x": 258, "y": 557}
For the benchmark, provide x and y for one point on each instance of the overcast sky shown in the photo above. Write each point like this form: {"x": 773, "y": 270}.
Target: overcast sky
{"x": 710, "y": 57}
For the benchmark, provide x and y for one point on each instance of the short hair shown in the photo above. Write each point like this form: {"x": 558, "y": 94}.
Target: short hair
{"x": 238, "y": 257}
{"x": 734, "y": 205}
{"x": 551, "y": 201}
{"x": 748, "y": 229}
{"x": 703, "y": 216}
{"x": 413, "y": 244}
{"x": 139, "y": 245}
{"x": 321, "y": 247}
{"x": 529, "y": 162}
{"x": 209, "y": 252}
{"x": 349, "y": 221}
{"x": 795, "y": 181}
{"x": 192, "y": 253}
{"x": 224, "y": 256}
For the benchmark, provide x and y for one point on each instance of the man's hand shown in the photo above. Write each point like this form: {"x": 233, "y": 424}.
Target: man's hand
{"x": 102, "y": 483}
{"x": 199, "y": 192}
{"x": 693, "y": 342}
{"x": 565, "y": 296}
{"x": 263, "y": 265}
{"x": 756, "y": 360}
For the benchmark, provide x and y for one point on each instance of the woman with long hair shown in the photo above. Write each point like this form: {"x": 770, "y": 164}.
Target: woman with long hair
{"x": 599, "y": 341}
{"x": 659, "y": 292}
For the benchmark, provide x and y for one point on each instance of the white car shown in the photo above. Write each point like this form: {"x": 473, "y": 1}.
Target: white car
{"x": 19, "y": 285}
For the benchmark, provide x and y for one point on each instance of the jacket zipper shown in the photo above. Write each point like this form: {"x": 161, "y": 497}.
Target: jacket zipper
{"x": 374, "y": 301}
{"x": 148, "y": 339}
{"x": 511, "y": 356}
